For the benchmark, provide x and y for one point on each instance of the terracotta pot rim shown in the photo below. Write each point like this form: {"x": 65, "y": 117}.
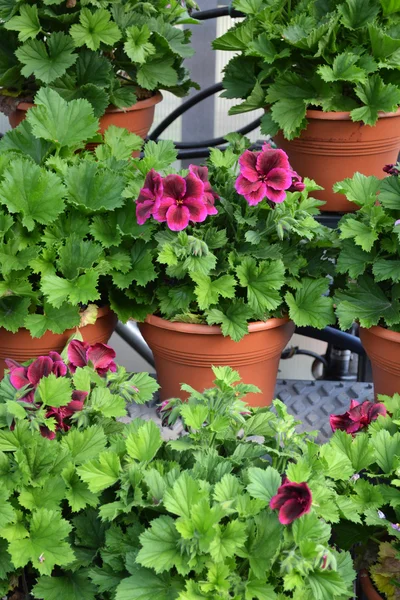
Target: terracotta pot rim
{"x": 140, "y": 105}
{"x": 367, "y": 586}
{"x": 343, "y": 116}
{"x": 197, "y": 329}
{"x": 381, "y": 332}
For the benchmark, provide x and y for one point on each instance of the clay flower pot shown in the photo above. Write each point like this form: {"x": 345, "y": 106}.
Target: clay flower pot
{"x": 137, "y": 118}
{"x": 334, "y": 147}
{"x": 21, "y": 346}
{"x": 185, "y": 352}
{"x": 368, "y": 587}
{"x": 383, "y": 349}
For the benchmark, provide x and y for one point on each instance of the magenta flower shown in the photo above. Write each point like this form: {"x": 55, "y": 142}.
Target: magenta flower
{"x": 182, "y": 202}
{"x": 99, "y": 355}
{"x": 63, "y": 413}
{"x": 391, "y": 169}
{"x": 149, "y": 196}
{"x": 209, "y": 196}
{"x": 297, "y": 183}
{"x": 21, "y": 376}
{"x": 358, "y": 416}
{"x": 265, "y": 174}
{"x": 293, "y": 500}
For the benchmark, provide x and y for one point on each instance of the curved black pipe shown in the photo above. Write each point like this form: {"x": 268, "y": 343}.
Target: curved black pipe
{"x": 217, "y": 141}
{"x": 214, "y": 13}
{"x": 340, "y": 339}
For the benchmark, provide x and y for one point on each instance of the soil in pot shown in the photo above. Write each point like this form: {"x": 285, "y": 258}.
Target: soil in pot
{"x": 185, "y": 353}
{"x": 137, "y": 118}
{"x": 333, "y": 147}
{"x": 383, "y": 349}
{"x": 21, "y": 347}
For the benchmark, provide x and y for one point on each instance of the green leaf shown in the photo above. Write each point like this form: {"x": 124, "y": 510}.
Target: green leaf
{"x": 389, "y": 192}
{"x": 160, "y": 549}
{"x": 387, "y": 450}
{"x": 94, "y": 189}
{"x": 343, "y": 69}
{"x": 61, "y": 122}
{"x": 54, "y": 391}
{"x": 366, "y": 302}
{"x": 263, "y": 282}
{"x": 45, "y": 544}
{"x": 137, "y": 45}
{"x": 352, "y": 260}
{"x": 234, "y": 320}
{"x": 377, "y": 97}
{"x": 21, "y": 140}
{"x": 122, "y": 142}
{"x": 141, "y": 269}
{"x": 157, "y": 73}
{"x": 310, "y": 527}
{"x": 145, "y": 585}
{"x": 185, "y": 493}
{"x": 383, "y": 46}
{"x": 102, "y": 473}
{"x": 34, "y": 192}
{"x": 95, "y": 28}
{"x": 144, "y": 444}
{"x": 85, "y": 445}
{"x": 290, "y": 115}
{"x": 57, "y": 320}
{"x": 13, "y": 312}
{"x": 208, "y": 291}
{"x": 108, "y": 404}
{"x": 362, "y": 233}
{"x": 389, "y": 7}
{"x": 385, "y": 269}
{"x": 26, "y": 23}
{"x": 228, "y": 540}
{"x": 358, "y": 13}
{"x": 71, "y": 586}
{"x": 308, "y": 306}
{"x": 326, "y": 585}
{"x": 359, "y": 450}
{"x": 7, "y": 514}
{"x": 300, "y": 471}
{"x": 264, "y": 483}
{"x": 81, "y": 291}
{"x": 77, "y": 493}
{"x": 359, "y": 188}
{"x": 255, "y": 100}
{"x": 47, "y": 63}
{"x": 92, "y": 67}
{"x": 259, "y": 589}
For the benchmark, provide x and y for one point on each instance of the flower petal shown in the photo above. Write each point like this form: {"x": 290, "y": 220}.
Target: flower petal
{"x": 78, "y": 397}
{"x": 290, "y": 511}
{"x": 77, "y": 353}
{"x": 341, "y": 422}
{"x": 55, "y": 355}
{"x": 144, "y": 210}
{"x": 194, "y": 188}
{"x": 253, "y": 192}
{"x": 178, "y": 217}
{"x": 174, "y": 187}
{"x": 248, "y": 165}
{"x": 275, "y": 195}
{"x": 59, "y": 368}
{"x": 200, "y": 172}
{"x": 376, "y": 409}
{"x": 19, "y": 377}
{"x": 100, "y": 355}
{"x": 197, "y": 209}
{"x": 279, "y": 179}
{"x": 160, "y": 213}
{"x": 41, "y": 367}
{"x": 272, "y": 159}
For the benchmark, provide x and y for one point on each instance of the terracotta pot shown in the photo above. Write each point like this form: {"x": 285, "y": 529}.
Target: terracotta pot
{"x": 136, "y": 119}
{"x": 21, "y": 346}
{"x": 383, "y": 349}
{"x": 333, "y": 148}
{"x": 184, "y": 353}
{"x": 368, "y": 587}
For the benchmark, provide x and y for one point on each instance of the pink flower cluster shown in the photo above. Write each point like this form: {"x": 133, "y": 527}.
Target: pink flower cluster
{"x": 266, "y": 174}
{"x": 99, "y": 356}
{"x": 176, "y": 200}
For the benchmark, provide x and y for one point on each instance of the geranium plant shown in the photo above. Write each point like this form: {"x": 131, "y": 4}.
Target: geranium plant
{"x": 107, "y": 52}
{"x": 67, "y": 217}
{"x": 369, "y": 253}
{"x": 370, "y": 489}
{"x": 229, "y": 510}
{"x": 331, "y": 55}
{"x": 233, "y": 242}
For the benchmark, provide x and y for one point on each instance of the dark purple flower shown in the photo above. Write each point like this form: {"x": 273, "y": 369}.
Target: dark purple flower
{"x": 293, "y": 500}
{"x": 297, "y": 183}
{"x": 182, "y": 202}
{"x": 358, "y": 416}
{"x": 265, "y": 174}
{"x": 149, "y": 196}
{"x": 61, "y": 414}
{"x": 209, "y": 196}
{"x": 21, "y": 376}
{"x": 391, "y": 169}
{"x": 99, "y": 355}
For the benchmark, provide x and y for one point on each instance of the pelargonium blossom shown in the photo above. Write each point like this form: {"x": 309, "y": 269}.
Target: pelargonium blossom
{"x": 358, "y": 416}
{"x": 293, "y": 500}
{"x": 149, "y": 196}
{"x": 297, "y": 183}
{"x": 61, "y": 414}
{"x": 21, "y": 376}
{"x": 264, "y": 174}
{"x": 99, "y": 355}
{"x": 209, "y": 196}
{"x": 182, "y": 202}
